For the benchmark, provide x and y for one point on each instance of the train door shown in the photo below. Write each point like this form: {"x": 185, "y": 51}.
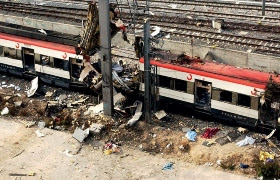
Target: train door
{"x": 76, "y": 67}
{"x": 203, "y": 92}
{"x": 28, "y": 60}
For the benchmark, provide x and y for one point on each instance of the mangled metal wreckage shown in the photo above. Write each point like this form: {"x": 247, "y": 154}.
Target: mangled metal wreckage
{"x": 58, "y": 59}
{"x": 90, "y": 45}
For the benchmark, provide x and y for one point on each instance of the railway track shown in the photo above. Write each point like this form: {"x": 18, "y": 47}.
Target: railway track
{"x": 182, "y": 29}
{"x": 208, "y": 23}
{"x": 232, "y": 16}
{"x": 184, "y": 32}
{"x": 123, "y": 53}
{"x": 221, "y": 4}
{"x": 45, "y": 11}
{"x": 78, "y": 14}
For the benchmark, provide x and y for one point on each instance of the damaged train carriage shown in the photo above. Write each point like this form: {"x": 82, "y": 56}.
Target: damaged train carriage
{"x": 64, "y": 65}
{"x": 54, "y": 63}
{"x": 243, "y": 96}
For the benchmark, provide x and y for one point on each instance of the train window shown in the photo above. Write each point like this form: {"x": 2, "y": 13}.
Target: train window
{"x": 244, "y": 100}
{"x": 10, "y": 53}
{"x": 58, "y": 63}
{"x": 37, "y": 58}
{"x": 45, "y": 60}
{"x": 1, "y": 50}
{"x": 19, "y": 55}
{"x": 225, "y": 96}
{"x": 76, "y": 71}
{"x": 79, "y": 61}
{"x": 180, "y": 85}
{"x": 142, "y": 76}
{"x": 166, "y": 82}
{"x": 190, "y": 87}
{"x": 66, "y": 65}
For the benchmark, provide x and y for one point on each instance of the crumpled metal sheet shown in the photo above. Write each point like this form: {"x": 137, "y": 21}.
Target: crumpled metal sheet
{"x": 137, "y": 115}
{"x": 80, "y": 134}
{"x": 99, "y": 108}
{"x": 86, "y": 71}
{"x": 34, "y": 87}
{"x": 120, "y": 81}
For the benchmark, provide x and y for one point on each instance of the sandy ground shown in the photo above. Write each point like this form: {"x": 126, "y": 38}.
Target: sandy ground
{"x": 43, "y": 156}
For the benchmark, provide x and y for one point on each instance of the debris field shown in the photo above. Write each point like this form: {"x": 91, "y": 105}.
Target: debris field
{"x": 63, "y": 110}
{"x": 76, "y": 114}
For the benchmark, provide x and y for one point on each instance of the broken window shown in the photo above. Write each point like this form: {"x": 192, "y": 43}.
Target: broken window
{"x": 19, "y": 55}
{"x": 79, "y": 61}
{"x": 165, "y": 82}
{"x": 58, "y": 63}
{"x": 202, "y": 96}
{"x": 76, "y": 68}
{"x": 180, "y": 85}
{"x": 29, "y": 60}
{"x": 244, "y": 100}
{"x": 37, "y": 58}
{"x": 66, "y": 65}
{"x": 225, "y": 96}
{"x": 45, "y": 60}
{"x": 142, "y": 76}
{"x": 76, "y": 71}
{"x": 12, "y": 53}
{"x": 1, "y": 50}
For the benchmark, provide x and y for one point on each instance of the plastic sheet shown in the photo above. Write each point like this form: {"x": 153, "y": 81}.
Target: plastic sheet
{"x": 191, "y": 135}
{"x": 246, "y": 141}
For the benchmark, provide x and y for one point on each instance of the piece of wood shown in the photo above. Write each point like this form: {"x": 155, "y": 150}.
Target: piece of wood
{"x": 272, "y": 144}
{"x": 7, "y": 94}
{"x": 18, "y": 154}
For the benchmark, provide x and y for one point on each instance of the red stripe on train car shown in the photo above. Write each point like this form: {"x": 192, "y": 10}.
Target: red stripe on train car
{"x": 223, "y": 72}
{"x": 39, "y": 43}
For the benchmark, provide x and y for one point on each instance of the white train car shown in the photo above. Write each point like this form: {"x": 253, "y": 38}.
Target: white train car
{"x": 54, "y": 63}
{"x": 243, "y": 96}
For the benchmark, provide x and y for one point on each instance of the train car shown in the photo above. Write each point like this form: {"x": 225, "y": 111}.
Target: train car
{"x": 53, "y": 63}
{"x": 244, "y": 96}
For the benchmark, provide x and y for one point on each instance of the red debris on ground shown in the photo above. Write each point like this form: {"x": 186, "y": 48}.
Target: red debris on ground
{"x": 209, "y": 133}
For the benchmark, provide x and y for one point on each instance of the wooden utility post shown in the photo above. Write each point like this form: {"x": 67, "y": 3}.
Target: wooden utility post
{"x": 106, "y": 64}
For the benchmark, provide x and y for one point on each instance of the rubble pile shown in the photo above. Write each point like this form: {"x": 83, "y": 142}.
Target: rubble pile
{"x": 62, "y": 109}
{"x": 125, "y": 75}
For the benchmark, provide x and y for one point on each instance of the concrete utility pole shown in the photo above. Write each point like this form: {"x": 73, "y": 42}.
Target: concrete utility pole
{"x": 147, "y": 70}
{"x": 106, "y": 64}
{"x": 263, "y": 7}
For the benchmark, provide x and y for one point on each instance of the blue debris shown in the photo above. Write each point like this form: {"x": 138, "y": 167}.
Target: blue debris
{"x": 168, "y": 166}
{"x": 268, "y": 160}
{"x": 191, "y": 135}
{"x": 244, "y": 166}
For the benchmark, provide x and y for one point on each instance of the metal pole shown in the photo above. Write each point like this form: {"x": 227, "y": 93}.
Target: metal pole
{"x": 263, "y": 8}
{"x": 106, "y": 61}
{"x": 147, "y": 70}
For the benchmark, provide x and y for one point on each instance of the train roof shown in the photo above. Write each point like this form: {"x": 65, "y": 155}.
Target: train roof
{"x": 39, "y": 43}
{"x": 220, "y": 71}
{"x": 34, "y": 33}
